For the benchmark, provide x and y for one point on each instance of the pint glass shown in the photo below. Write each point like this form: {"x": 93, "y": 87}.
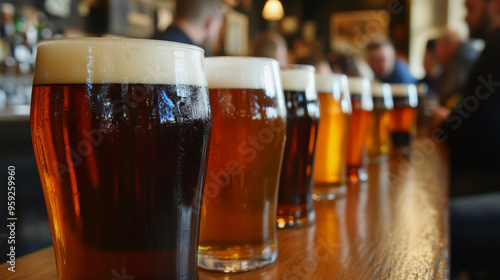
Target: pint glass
{"x": 238, "y": 224}
{"x": 362, "y": 105}
{"x": 329, "y": 161}
{"x": 378, "y": 141}
{"x": 120, "y": 131}
{"x": 403, "y": 116}
{"x": 295, "y": 204}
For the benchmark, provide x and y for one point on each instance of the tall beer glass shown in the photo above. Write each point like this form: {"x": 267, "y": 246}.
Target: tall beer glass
{"x": 238, "y": 225}
{"x": 403, "y": 116}
{"x": 378, "y": 141}
{"x": 329, "y": 161}
{"x": 295, "y": 204}
{"x": 120, "y": 130}
{"x": 362, "y": 105}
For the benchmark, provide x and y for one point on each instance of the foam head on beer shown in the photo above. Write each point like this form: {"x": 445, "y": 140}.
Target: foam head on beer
{"x": 299, "y": 78}
{"x": 243, "y": 73}
{"x": 117, "y": 60}
{"x": 383, "y": 91}
{"x": 359, "y": 86}
{"x": 337, "y": 85}
{"x": 406, "y": 91}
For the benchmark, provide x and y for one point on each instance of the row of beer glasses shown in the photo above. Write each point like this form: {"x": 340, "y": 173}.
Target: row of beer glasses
{"x": 154, "y": 160}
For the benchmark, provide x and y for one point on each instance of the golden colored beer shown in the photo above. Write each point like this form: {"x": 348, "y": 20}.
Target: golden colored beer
{"x": 335, "y": 111}
{"x": 362, "y": 105}
{"x": 378, "y": 141}
{"x": 295, "y": 203}
{"x": 403, "y": 116}
{"x": 120, "y": 155}
{"x": 238, "y": 224}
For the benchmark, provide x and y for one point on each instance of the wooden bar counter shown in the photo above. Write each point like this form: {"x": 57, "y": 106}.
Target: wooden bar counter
{"x": 393, "y": 227}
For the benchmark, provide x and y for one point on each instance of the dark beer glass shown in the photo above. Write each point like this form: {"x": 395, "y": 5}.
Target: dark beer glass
{"x": 403, "y": 116}
{"x": 295, "y": 203}
{"x": 120, "y": 130}
{"x": 362, "y": 105}
{"x": 378, "y": 141}
{"x": 238, "y": 224}
{"x": 330, "y": 158}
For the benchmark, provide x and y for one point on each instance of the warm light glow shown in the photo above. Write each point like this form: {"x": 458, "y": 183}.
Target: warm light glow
{"x": 273, "y": 10}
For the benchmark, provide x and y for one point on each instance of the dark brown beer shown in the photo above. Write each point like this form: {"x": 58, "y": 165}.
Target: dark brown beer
{"x": 402, "y": 124}
{"x": 295, "y": 204}
{"x": 121, "y": 164}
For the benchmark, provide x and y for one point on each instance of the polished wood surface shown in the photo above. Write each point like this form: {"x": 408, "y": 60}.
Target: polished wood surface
{"x": 393, "y": 227}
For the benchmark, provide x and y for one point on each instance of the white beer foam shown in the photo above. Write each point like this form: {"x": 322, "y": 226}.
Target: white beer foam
{"x": 326, "y": 83}
{"x": 359, "y": 86}
{"x": 243, "y": 73}
{"x": 381, "y": 89}
{"x": 118, "y": 60}
{"x": 404, "y": 90}
{"x": 298, "y": 79}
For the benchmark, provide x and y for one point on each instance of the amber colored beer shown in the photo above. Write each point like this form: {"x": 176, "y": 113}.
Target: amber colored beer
{"x": 238, "y": 224}
{"x": 362, "y": 105}
{"x": 295, "y": 203}
{"x": 335, "y": 111}
{"x": 378, "y": 141}
{"x": 403, "y": 116}
{"x": 121, "y": 163}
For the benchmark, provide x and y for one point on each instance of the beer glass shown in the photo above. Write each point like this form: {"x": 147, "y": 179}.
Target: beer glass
{"x": 378, "y": 141}
{"x": 362, "y": 105}
{"x": 329, "y": 161}
{"x": 295, "y": 204}
{"x": 403, "y": 117}
{"x": 238, "y": 224}
{"x": 120, "y": 131}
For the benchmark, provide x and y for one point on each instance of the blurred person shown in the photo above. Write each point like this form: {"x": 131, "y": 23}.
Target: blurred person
{"x": 343, "y": 64}
{"x": 472, "y": 135}
{"x": 432, "y": 67}
{"x": 270, "y": 44}
{"x": 476, "y": 18}
{"x": 456, "y": 57}
{"x": 381, "y": 57}
{"x": 196, "y": 22}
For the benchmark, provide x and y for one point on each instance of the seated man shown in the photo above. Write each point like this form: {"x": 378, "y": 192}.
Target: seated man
{"x": 387, "y": 68}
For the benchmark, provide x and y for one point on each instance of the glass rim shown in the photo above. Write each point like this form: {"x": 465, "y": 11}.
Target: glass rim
{"x": 138, "y": 41}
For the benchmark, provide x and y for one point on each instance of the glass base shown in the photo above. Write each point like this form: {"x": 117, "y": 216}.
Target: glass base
{"x": 207, "y": 260}
{"x": 293, "y": 216}
{"x": 356, "y": 175}
{"x": 328, "y": 191}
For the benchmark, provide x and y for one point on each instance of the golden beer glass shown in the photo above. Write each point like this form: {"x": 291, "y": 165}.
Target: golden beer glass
{"x": 329, "y": 161}
{"x": 378, "y": 141}
{"x": 238, "y": 225}
{"x": 362, "y": 105}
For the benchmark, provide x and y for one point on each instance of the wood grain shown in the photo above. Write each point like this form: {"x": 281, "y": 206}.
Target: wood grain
{"x": 393, "y": 227}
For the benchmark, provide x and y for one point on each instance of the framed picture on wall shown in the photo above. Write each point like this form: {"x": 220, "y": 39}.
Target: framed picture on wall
{"x": 350, "y": 32}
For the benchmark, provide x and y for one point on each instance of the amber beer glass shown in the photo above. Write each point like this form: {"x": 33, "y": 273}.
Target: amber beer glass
{"x": 362, "y": 105}
{"x": 120, "y": 130}
{"x": 329, "y": 161}
{"x": 238, "y": 224}
{"x": 378, "y": 141}
{"x": 295, "y": 203}
{"x": 403, "y": 116}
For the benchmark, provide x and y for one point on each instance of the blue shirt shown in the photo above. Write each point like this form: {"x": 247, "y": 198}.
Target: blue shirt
{"x": 401, "y": 74}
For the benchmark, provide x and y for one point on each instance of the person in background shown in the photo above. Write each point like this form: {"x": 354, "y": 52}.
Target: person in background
{"x": 471, "y": 131}
{"x": 343, "y": 64}
{"x": 381, "y": 57}
{"x": 196, "y": 22}
{"x": 431, "y": 66}
{"x": 456, "y": 57}
{"x": 272, "y": 45}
